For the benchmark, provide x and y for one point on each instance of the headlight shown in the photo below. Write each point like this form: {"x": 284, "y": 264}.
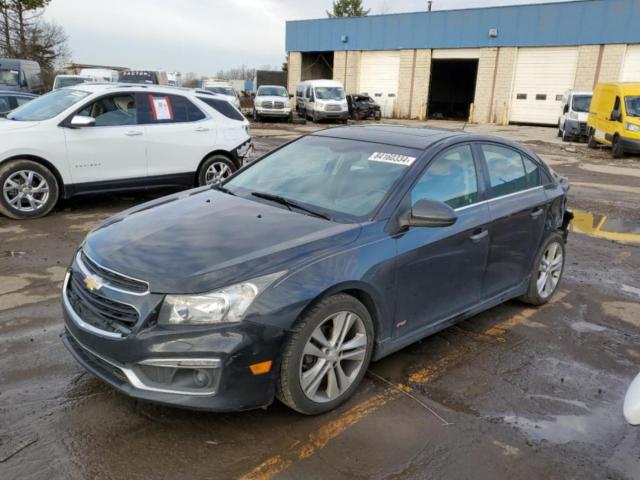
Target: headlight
{"x": 228, "y": 304}
{"x": 632, "y": 127}
{"x": 573, "y": 116}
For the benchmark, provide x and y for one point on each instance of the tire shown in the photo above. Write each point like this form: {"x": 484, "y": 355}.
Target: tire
{"x": 591, "y": 141}
{"x": 256, "y": 116}
{"x": 565, "y": 136}
{"x": 35, "y": 184}
{"x": 377, "y": 116}
{"x": 215, "y": 163}
{"x": 290, "y": 118}
{"x": 535, "y": 295}
{"x": 296, "y": 363}
{"x": 314, "y": 117}
{"x": 559, "y": 132}
{"x": 616, "y": 148}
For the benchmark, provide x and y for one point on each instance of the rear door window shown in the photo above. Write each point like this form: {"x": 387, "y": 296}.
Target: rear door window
{"x": 509, "y": 171}
{"x": 159, "y": 108}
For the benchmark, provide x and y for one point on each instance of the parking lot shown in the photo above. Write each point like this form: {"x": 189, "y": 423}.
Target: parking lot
{"x": 515, "y": 392}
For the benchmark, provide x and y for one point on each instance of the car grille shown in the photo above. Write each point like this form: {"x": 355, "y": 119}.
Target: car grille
{"x": 333, "y": 108}
{"x": 583, "y": 128}
{"x": 279, "y": 105}
{"x": 114, "y": 279}
{"x": 268, "y": 104}
{"x": 99, "y": 311}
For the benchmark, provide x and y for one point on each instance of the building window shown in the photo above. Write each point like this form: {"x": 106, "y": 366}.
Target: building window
{"x": 541, "y": 96}
{"x": 559, "y": 98}
{"x": 521, "y": 96}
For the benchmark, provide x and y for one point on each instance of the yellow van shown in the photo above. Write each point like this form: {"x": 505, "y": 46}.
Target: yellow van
{"x": 614, "y": 118}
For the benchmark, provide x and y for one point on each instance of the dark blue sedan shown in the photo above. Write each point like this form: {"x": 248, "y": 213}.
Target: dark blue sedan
{"x": 290, "y": 277}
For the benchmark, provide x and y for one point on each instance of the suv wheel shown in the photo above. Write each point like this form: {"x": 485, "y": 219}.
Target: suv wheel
{"x": 547, "y": 271}
{"x": 215, "y": 169}
{"x": 326, "y": 355}
{"x": 29, "y": 190}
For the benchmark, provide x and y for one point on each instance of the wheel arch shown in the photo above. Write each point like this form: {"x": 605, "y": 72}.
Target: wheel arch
{"x": 224, "y": 153}
{"x": 45, "y": 163}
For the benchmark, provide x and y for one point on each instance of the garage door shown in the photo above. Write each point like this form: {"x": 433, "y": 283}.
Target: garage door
{"x": 379, "y": 75}
{"x": 631, "y": 66}
{"x": 542, "y": 75}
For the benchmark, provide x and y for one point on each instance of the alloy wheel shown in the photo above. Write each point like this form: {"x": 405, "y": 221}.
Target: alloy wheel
{"x": 216, "y": 172}
{"x": 549, "y": 270}
{"x": 26, "y": 191}
{"x": 333, "y": 356}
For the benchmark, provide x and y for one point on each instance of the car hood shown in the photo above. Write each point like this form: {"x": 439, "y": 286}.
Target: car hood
{"x": 11, "y": 125}
{"x": 271, "y": 98}
{"x": 204, "y": 239}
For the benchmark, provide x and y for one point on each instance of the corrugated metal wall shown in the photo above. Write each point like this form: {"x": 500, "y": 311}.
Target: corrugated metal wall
{"x": 569, "y": 23}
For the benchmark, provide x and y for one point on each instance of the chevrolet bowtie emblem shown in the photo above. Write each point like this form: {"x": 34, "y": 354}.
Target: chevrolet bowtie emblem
{"x": 93, "y": 282}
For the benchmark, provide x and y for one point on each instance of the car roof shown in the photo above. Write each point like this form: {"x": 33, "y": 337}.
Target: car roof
{"x": 398, "y": 135}
{"x": 105, "y": 87}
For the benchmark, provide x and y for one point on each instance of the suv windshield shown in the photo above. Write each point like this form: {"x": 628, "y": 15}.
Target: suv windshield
{"x": 138, "y": 76}
{"x": 272, "y": 91}
{"x": 61, "y": 82}
{"x": 222, "y": 91}
{"x": 47, "y": 106}
{"x": 330, "y": 93}
{"x": 344, "y": 179}
{"x": 581, "y": 103}
{"x": 9, "y": 77}
{"x": 633, "y": 106}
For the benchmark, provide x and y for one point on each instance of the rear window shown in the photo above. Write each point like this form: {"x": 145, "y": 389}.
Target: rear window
{"x": 223, "y": 107}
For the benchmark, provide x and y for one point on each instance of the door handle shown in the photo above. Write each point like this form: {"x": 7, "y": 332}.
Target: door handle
{"x": 202, "y": 129}
{"x": 479, "y": 234}
{"x": 133, "y": 133}
{"x": 536, "y": 212}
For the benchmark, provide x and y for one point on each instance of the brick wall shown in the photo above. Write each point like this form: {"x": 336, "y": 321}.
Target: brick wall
{"x": 506, "y": 63}
{"x": 339, "y": 65}
{"x": 352, "y": 77}
{"x": 294, "y": 71}
{"x": 421, "y": 75}
{"x": 484, "y": 85}
{"x": 587, "y": 67}
{"x": 611, "y": 65}
{"x": 407, "y": 57}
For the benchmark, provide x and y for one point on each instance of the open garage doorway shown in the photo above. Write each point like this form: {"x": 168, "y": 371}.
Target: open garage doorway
{"x": 452, "y": 88}
{"x": 317, "y": 65}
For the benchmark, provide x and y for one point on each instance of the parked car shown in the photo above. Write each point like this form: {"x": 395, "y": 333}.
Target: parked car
{"x": 62, "y": 81}
{"x": 22, "y": 75}
{"x": 144, "y": 77}
{"x": 631, "y": 407}
{"x": 290, "y": 276}
{"x": 100, "y": 137}
{"x": 10, "y": 100}
{"x": 574, "y": 114}
{"x": 223, "y": 88}
{"x": 614, "y": 118}
{"x": 322, "y": 100}
{"x": 272, "y": 101}
{"x": 362, "y": 107}
{"x": 100, "y": 74}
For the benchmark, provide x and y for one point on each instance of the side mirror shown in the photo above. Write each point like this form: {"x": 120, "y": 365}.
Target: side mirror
{"x": 79, "y": 121}
{"x": 291, "y": 95}
{"x": 566, "y": 109}
{"x": 616, "y": 116}
{"x": 253, "y": 95}
{"x": 429, "y": 213}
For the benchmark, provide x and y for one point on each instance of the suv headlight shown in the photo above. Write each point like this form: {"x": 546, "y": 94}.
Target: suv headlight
{"x": 227, "y": 305}
{"x": 573, "y": 116}
{"x": 632, "y": 127}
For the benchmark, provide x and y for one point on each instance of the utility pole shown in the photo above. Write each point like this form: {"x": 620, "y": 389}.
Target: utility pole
{"x": 429, "y": 4}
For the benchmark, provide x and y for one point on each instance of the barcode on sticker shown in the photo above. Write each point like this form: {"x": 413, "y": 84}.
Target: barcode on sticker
{"x": 392, "y": 158}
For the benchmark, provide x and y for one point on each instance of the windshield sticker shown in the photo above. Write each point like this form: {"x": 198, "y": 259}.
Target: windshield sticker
{"x": 161, "y": 108}
{"x": 392, "y": 158}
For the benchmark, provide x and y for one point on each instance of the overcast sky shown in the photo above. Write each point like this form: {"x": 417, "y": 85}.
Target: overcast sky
{"x": 199, "y": 35}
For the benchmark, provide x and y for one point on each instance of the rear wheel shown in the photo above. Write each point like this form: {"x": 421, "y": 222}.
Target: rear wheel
{"x": 29, "y": 190}
{"x": 547, "y": 271}
{"x": 326, "y": 356}
{"x": 616, "y": 148}
{"x": 215, "y": 169}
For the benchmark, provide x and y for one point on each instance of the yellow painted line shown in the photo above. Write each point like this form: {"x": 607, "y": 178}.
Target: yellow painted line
{"x": 589, "y": 224}
{"x": 318, "y": 440}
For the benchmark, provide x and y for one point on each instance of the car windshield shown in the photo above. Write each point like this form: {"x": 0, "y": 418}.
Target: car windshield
{"x": 581, "y": 103}
{"x": 222, "y": 91}
{"x": 344, "y": 179}
{"x": 272, "y": 92}
{"x": 330, "y": 93}
{"x": 9, "y": 78}
{"x": 47, "y": 106}
{"x": 138, "y": 76}
{"x": 633, "y": 106}
{"x": 62, "y": 82}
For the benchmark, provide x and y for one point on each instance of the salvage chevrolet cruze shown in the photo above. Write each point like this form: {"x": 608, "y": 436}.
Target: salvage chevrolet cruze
{"x": 288, "y": 278}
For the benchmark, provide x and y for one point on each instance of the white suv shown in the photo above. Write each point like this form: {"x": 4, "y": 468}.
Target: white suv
{"x": 110, "y": 137}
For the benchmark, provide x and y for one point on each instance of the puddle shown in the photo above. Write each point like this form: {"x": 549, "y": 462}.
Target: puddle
{"x": 602, "y": 226}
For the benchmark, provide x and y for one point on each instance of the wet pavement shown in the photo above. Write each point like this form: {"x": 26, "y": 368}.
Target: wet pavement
{"x": 515, "y": 392}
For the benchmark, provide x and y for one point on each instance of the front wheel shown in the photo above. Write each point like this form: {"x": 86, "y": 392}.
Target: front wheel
{"x": 326, "y": 356}
{"x": 616, "y": 148}
{"x": 547, "y": 271}
{"x": 29, "y": 190}
{"x": 215, "y": 169}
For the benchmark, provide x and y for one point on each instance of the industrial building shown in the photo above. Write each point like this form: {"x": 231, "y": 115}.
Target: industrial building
{"x": 496, "y": 64}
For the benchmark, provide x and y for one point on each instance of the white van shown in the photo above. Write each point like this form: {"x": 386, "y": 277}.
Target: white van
{"x": 574, "y": 114}
{"x": 223, "y": 88}
{"x": 322, "y": 100}
{"x": 100, "y": 74}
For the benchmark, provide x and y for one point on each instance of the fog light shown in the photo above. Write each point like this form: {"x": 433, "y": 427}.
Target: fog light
{"x": 201, "y": 378}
